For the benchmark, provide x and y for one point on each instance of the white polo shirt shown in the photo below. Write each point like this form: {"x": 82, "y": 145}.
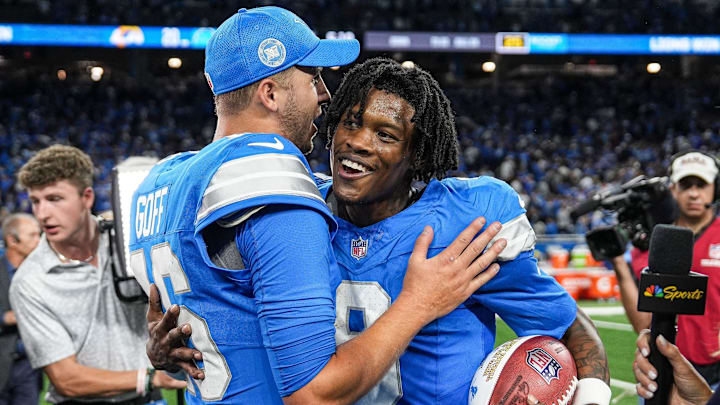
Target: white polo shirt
{"x": 66, "y": 309}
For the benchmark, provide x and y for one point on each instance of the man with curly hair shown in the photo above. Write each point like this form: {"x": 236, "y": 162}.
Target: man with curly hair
{"x": 63, "y": 295}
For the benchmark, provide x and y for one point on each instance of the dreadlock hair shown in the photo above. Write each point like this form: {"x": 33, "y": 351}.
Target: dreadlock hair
{"x": 435, "y": 145}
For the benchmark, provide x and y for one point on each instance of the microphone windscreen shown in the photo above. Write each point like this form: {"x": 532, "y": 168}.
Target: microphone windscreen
{"x": 671, "y": 250}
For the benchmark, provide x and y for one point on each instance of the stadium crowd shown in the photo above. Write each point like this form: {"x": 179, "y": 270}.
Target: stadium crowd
{"x": 595, "y": 16}
{"x": 555, "y": 139}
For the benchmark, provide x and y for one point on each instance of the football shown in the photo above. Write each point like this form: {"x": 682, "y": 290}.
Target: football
{"x": 538, "y": 365}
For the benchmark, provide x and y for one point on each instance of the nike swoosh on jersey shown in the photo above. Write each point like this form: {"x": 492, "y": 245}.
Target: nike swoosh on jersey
{"x": 277, "y": 145}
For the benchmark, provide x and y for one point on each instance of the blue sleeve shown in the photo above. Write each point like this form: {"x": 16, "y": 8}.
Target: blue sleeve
{"x": 287, "y": 249}
{"x": 527, "y": 299}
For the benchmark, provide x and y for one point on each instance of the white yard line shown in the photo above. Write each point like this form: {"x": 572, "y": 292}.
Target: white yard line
{"x": 614, "y": 310}
{"x": 628, "y": 390}
{"x": 624, "y": 385}
{"x": 613, "y": 325}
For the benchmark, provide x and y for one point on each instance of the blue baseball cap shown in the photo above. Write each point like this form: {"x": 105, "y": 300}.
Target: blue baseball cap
{"x": 257, "y": 43}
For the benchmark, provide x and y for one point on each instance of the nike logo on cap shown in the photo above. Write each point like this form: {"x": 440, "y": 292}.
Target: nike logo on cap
{"x": 277, "y": 145}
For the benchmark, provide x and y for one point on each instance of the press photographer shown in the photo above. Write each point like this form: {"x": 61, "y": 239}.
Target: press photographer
{"x": 693, "y": 178}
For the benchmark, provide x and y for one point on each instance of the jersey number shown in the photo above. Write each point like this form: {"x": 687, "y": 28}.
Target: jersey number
{"x": 365, "y": 302}
{"x": 164, "y": 264}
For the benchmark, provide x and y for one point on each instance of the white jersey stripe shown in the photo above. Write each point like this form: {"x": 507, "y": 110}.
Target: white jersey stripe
{"x": 257, "y": 164}
{"x": 520, "y": 237}
{"x": 254, "y": 176}
{"x": 243, "y": 181}
{"x": 262, "y": 193}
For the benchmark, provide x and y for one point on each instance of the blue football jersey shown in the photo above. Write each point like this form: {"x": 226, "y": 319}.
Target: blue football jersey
{"x": 440, "y": 362}
{"x": 267, "y": 329}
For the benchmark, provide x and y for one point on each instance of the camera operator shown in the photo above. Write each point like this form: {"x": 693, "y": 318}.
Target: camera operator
{"x": 694, "y": 187}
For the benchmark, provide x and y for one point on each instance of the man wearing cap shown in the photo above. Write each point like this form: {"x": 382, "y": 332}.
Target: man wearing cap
{"x": 694, "y": 186}
{"x": 237, "y": 236}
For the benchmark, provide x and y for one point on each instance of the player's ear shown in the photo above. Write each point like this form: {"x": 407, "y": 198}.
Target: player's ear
{"x": 269, "y": 94}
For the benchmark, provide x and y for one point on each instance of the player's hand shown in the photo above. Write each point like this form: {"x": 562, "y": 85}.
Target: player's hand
{"x": 9, "y": 318}
{"x": 438, "y": 285}
{"x": 689, "y": 388}
{"x": 166, "y": 347}
{"x": 162, "y": 380}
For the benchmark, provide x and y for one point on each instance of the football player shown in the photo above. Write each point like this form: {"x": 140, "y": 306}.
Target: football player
{"x": 237, "y": 235}
{"x": 391, "y": 126}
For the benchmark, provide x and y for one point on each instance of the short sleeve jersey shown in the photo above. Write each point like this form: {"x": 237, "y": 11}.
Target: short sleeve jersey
{"x": 66, "y": 309}
{"x": 440, "y": 362}
{"x": 267, "y": 329}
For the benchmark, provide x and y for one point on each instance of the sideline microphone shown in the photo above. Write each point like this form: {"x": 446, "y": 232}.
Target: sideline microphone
{"x": 668, "y": 288}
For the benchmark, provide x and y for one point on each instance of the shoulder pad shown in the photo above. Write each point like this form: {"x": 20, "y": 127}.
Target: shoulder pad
{"x": 255, "y": 144}
{"x": 176, "y": 157}
{"x": 255, "y": 179}
{"x": 497, "y": 201}
{"x": 324, "y": 183}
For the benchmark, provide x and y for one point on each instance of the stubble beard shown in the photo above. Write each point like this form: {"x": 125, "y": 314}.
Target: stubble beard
{"x": 295, "y": 125}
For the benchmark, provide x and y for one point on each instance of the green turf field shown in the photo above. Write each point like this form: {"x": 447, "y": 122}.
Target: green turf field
{"x": 616, "y": 334}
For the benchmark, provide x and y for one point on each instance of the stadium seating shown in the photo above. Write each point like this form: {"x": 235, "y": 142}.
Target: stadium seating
{"x": 555, "y": 139}
{"x": 609, "y": 16}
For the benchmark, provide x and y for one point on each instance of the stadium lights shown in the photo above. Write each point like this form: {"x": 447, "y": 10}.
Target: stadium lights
{"x": 488, "y": 67}
{"x": 96, "y": 73}
{"x": 61, "y": 74}
{"x": 174, "y": 63}
{"x": 653, "y": 68}
{"x": 408, "y": 64}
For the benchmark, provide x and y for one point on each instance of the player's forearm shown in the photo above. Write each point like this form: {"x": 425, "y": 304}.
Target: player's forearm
{"x": 75, "y": 380}
{"x": 360, "y": 363}
{"x": 587, "y": 349}
{"x": 629, "y": 295}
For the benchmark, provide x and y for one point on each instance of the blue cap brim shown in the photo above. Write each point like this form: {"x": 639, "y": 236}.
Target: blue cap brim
{"x": 332, "y": 52}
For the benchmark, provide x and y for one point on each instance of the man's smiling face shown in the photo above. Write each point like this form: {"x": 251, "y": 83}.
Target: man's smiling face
{"x": 372, "y": 157}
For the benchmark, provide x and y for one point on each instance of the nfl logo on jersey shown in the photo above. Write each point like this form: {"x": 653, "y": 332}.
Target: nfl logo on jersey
{"x": 544, "y": 364}
{"x": 358, "y": 247}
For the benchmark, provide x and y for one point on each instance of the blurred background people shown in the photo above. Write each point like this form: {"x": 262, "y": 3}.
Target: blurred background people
{"x": 19, "y": 382}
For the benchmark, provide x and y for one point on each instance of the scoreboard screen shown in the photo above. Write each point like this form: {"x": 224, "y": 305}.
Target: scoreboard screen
{"x": 512, "y": 43}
